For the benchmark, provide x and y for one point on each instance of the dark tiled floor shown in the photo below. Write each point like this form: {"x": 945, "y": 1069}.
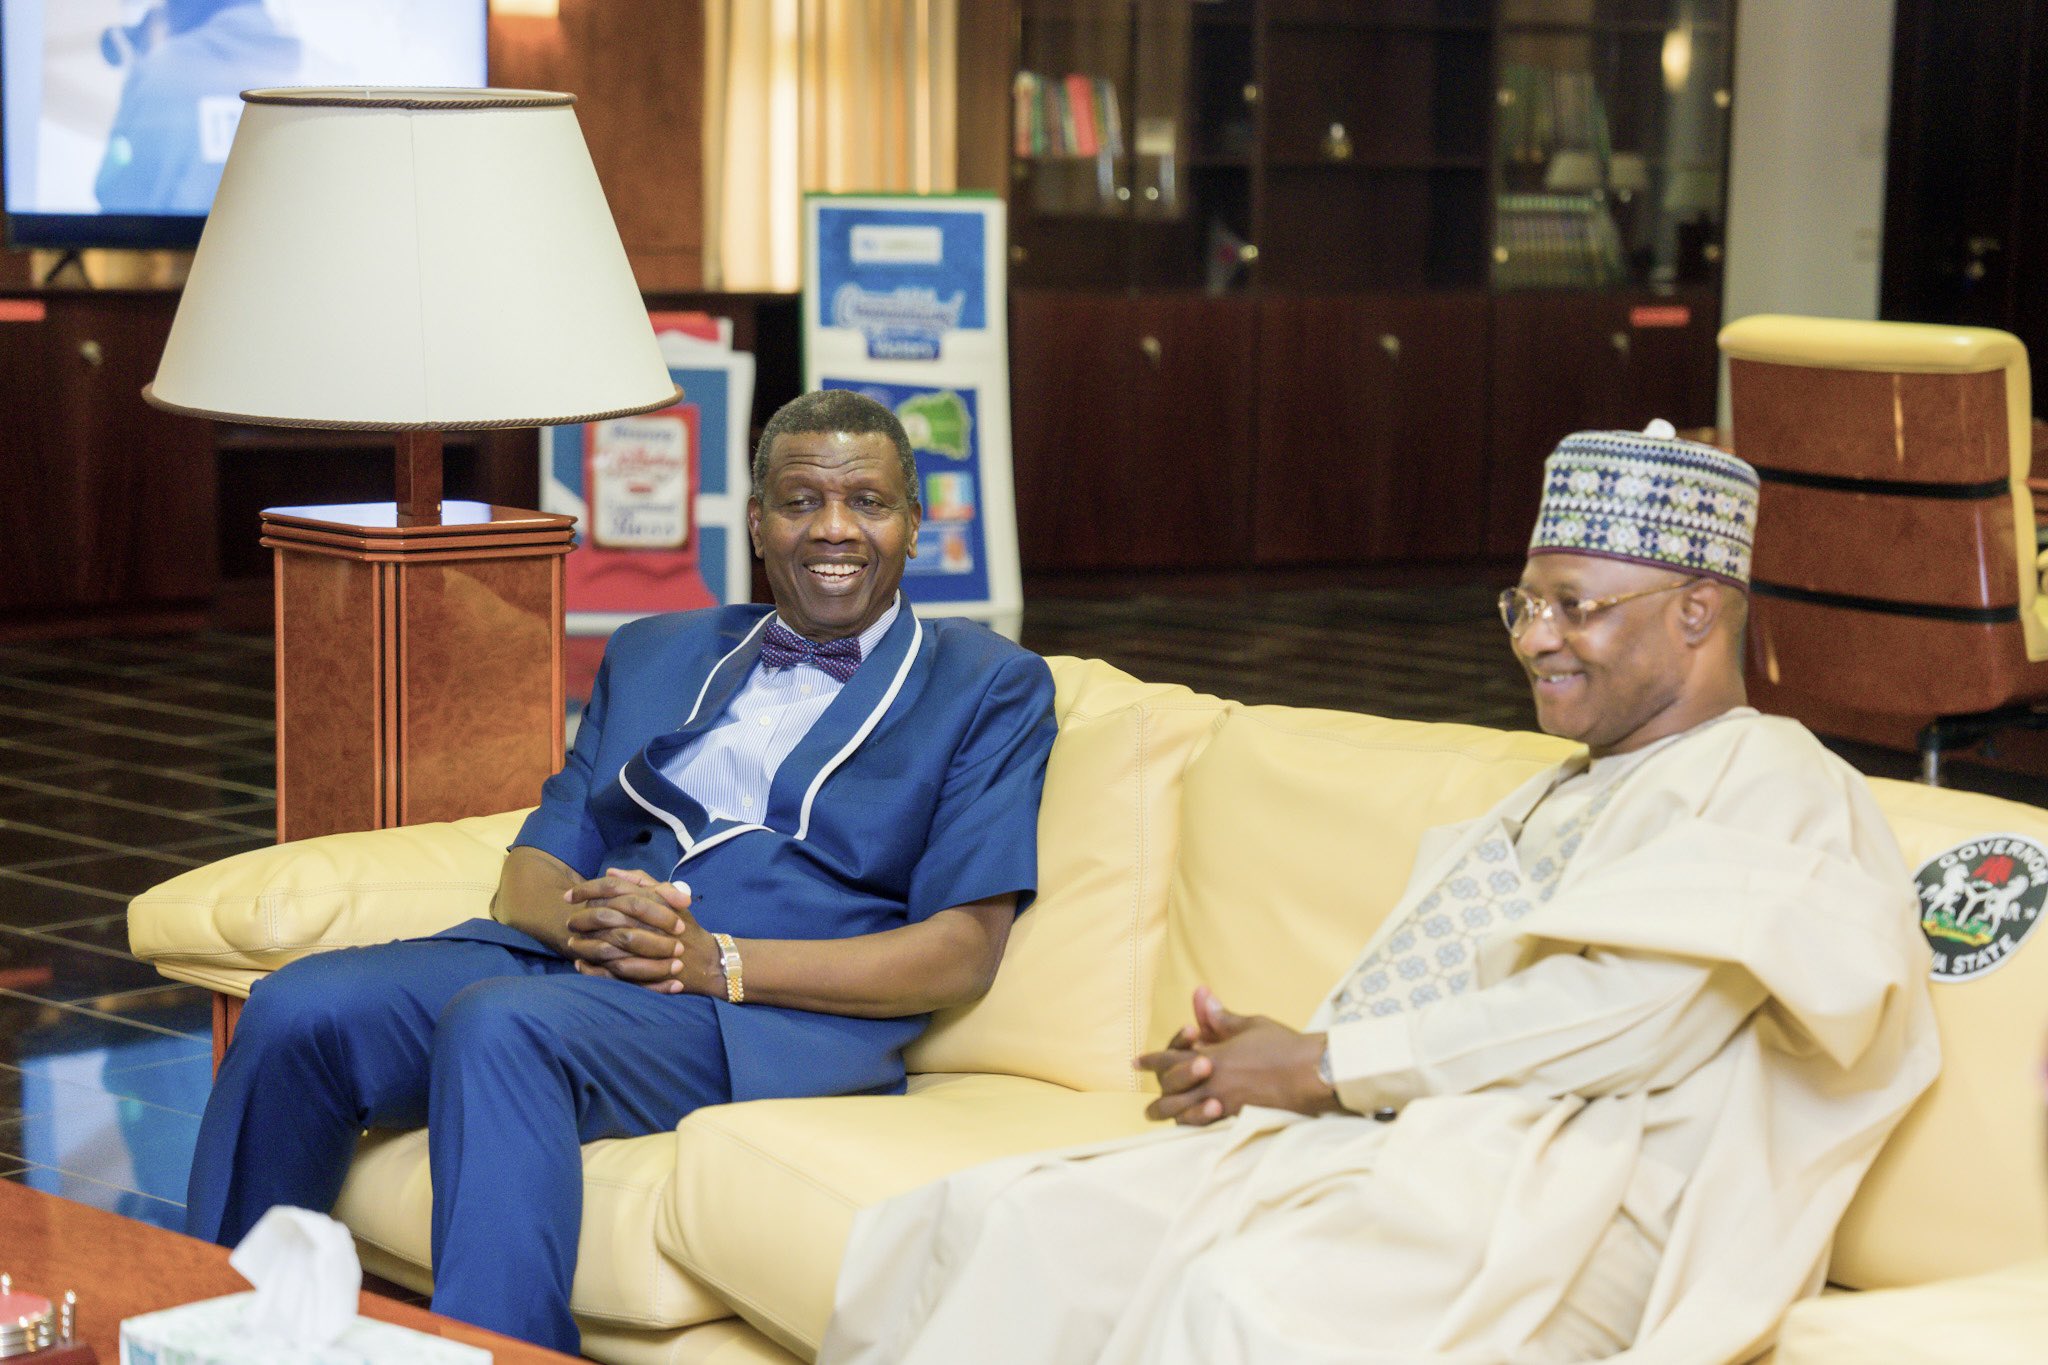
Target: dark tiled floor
{"x": 1435, "y": 653}
{"x": 1424, "y": 653}
{"x": 123, "y": 762}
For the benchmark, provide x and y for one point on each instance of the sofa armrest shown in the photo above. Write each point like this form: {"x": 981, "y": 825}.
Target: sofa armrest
{"x": 223, "y": 924}
{"x": 1997, "y": 1318}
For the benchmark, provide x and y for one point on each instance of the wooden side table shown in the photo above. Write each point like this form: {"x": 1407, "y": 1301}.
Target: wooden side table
{"x": 122, "y": 1268}
{"x": 419, "y": 667}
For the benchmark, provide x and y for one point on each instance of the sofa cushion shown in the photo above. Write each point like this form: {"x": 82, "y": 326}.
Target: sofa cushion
{"x": 729, "y": 1341}
{"x": 1298, "y": 830}
{"x": 1999, "y": 1318}
{"x": 261, "y": 909}
{"x": 765, "y": 1193}
{"x": 1962, "y": 1186}
{"x": 1070, "y": 1000}
{"x": 620, "y": 1278}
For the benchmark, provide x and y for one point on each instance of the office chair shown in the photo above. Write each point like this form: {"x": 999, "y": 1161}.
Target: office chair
{"x": 1896, "y": 569}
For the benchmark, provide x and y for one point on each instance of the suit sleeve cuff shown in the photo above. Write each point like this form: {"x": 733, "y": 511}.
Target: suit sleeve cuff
{"x": 1372, "y": 1062}
{"x": 569, "y": 840}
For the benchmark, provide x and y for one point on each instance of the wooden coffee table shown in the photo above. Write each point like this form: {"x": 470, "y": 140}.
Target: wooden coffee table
{"x": 121, "y": 1268}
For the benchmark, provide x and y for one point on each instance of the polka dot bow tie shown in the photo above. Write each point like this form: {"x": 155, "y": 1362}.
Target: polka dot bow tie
{"x": 782, "y": 647}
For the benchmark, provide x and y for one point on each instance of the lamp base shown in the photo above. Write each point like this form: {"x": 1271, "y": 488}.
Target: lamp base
{"x": 419, "y": 667}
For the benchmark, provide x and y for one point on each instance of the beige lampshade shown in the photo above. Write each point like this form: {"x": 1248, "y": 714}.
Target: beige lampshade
{"x": 410, "y": 259}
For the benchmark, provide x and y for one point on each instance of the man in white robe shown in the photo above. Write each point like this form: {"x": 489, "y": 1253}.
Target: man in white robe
{"x": 1601, "y": 1086}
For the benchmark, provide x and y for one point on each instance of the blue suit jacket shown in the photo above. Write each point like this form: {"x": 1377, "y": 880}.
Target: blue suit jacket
{"x": 915, "y": 791}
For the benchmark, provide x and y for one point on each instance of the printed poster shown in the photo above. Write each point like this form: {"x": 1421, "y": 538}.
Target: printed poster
{"x": 660, "y": 499}
{"x": 952, "y": 543}
{"x": 905, "y": 301}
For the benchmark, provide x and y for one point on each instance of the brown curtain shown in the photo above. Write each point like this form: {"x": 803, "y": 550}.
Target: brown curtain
{"x": 838, "y": 95}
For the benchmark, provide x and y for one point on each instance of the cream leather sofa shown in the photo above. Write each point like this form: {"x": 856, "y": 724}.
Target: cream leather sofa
{"x": 1184, "y": 839}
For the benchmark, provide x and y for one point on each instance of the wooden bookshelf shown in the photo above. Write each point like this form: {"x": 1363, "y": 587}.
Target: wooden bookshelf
{"x": 1385, "y": 208}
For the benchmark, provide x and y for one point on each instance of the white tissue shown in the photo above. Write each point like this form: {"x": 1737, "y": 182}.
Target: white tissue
{"x": 306, "y": 1274}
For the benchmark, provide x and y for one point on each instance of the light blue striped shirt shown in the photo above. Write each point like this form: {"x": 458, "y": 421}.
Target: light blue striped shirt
{"x": 730, "y": 769}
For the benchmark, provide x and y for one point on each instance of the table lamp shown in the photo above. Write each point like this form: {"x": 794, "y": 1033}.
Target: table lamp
{"x": 412, "y": 261}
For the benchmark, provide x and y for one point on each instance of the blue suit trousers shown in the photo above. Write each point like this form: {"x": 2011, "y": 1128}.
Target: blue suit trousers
{"x": 510, "y": 1058}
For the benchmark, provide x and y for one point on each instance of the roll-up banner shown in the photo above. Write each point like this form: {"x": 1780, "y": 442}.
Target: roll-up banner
{"x": 660, "y": 499}
{"x": 905, "y": 300}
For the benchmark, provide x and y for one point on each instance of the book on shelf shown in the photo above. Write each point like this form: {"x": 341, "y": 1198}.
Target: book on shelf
{"x": 1070, "y": 140}
{"x": 1075, "y": 116}
{"x": 1544, "y": 110}
{"x": 1023, "y": 115}
{"x": 1556, "y": 241}
{"x": 1081, "y": 104}
{"x": 1111, "y": 116}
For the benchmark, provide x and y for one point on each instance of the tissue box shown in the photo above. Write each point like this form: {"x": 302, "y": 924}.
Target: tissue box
{"x": 210, "y": 1333}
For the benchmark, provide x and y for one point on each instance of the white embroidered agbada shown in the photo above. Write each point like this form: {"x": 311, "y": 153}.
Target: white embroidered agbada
{"x": 1692, "y": 1004}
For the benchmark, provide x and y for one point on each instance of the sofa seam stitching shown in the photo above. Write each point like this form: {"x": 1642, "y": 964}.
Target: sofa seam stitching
{"x": 1137, "y": 1040}
{"x": 1398, "y": 746}
{"x": 281, "y": 894}
{"x": 712, "y": 1130}
{"x": 734, "y": 1296}
{"x": 640, "y": 1323}
{"x": 1082, "y": 716}
{"x": 273, "y": 945}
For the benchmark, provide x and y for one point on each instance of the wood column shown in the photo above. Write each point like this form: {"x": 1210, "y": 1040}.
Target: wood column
{"x": 419, "y": 667}
{"x": 227, "y": 1012}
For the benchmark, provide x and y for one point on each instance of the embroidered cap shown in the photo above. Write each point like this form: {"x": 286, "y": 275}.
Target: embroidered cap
{"x": 1651, "y": 498}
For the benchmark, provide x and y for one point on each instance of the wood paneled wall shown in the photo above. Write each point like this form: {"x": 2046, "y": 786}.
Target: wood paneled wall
{"x": 636, "y": 68}
{"x": 1966, "y": 207}
{"x": 110, "y": 503}
{"x": 987, "y": 55}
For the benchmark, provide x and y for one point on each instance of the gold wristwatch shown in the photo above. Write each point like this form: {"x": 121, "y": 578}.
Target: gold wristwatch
{"x": 729, "y": 963}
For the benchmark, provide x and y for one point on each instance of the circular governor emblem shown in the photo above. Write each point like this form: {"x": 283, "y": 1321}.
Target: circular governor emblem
{"x": 1979, "y": 901}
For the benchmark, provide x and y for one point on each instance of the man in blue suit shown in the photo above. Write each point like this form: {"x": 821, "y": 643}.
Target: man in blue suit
{"x": 182, "y": 100}
{"x": 782, "y": 838}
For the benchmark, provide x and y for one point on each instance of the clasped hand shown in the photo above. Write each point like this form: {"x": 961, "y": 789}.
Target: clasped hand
{"x": 630, "y": 926}
{"x": 1222, "y": 1062}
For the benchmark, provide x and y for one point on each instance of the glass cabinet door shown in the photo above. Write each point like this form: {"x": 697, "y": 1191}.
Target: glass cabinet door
{"x": 1132, "y": 134}
{"x": 1069, "y": 152}
{"x": 1611, "y": 136}
{"x": 1375, "y": 144}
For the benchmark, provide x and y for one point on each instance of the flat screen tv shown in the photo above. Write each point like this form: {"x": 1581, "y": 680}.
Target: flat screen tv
{"x": 116, "y": 115}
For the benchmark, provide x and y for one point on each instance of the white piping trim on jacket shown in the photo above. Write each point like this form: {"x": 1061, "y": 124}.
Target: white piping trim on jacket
{"x": 682, "y": 835}
{"x": 692, "y": 848}
{"x": 698, "y": 705}
{"x": 674, "y": 823}
{"x": 803, "y": 823}
{"x": 733, "y": 832}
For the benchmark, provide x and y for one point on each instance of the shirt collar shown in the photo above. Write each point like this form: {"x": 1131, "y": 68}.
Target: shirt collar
{"x": 1613, "y": 765}
{"x": 870, "y": 637}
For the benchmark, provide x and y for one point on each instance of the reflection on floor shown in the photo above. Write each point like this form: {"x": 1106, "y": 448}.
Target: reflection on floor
{"x": 123, "y": 762}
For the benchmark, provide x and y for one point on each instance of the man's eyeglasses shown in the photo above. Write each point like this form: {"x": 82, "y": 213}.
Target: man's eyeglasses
{"x": 1520, "y": 609}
